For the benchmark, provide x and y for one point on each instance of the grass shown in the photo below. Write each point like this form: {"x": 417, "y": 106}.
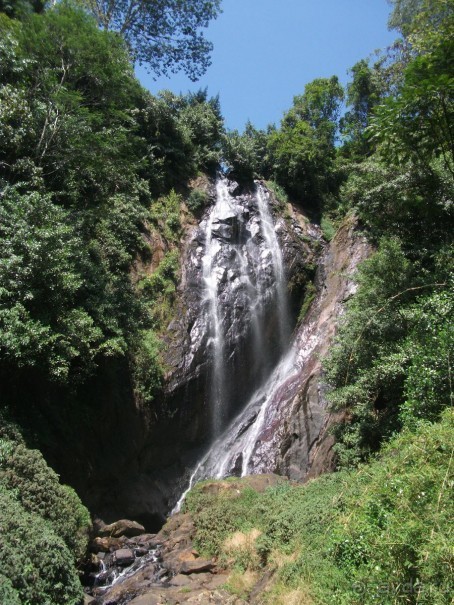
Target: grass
{"x": 309, "y": 296}
{"x": 328, "y": 228}
{"x": 381, "y": 534}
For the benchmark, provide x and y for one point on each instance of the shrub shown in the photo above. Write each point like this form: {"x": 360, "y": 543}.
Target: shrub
{"x": 8, "y": 594}
{"x": 394, "y": 541}
{"x": 25, "y": 473}
{"x": 197, "y": 200}
{"x": 381, "y": 534}
{"x": 328, "y": 228}
{"x": 279, "y": 193}
{"x": 36, "y": 562}
{"x": 159, "y": 289}
{"x": 165, "y": 214}
{"x": 309, "y": 295}
{"x": 147, "y": 367}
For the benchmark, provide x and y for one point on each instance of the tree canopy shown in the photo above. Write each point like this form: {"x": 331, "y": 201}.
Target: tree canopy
{"x": 165, "y": 35}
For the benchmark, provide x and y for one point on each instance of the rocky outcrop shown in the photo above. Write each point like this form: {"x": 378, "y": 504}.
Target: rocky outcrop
{"x": 172, "y": 572}
{"x": 156, "y": 475}
{"x": 284, "y": 426}
{"x": 299, "y": 441}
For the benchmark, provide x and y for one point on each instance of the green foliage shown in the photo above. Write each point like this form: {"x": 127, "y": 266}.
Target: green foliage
{"x": 363, "y": 93}
{"x": 246, "y": 154}
{"x": 159, "y": 289}
{"x": 19, "y": 9}
{"x": 169, "y": 145}
{"x": 75, "y": 87}
{"x": 393, "y": 541}
{"x": 309, "y": 295}
{"x": 416, "y": 124}
{"x": 319, "y": 105}
{"x": 285, "y": 515}
{"x": 239, "y": 153}
{"x": 43, "y": 525}
{"x": 36, "y": 562}
{"x": 158, "y": 292}
{"x": 416, "y": 18}
{"x": 386, "y": 347}
{"x": 279, "y": 193}
{"x": 201, "y": 118}
{"x": 24, "y": 473}
{"x": 380, "y": 534}
{"x": 183, "y": 135}
{"x": 7, "y": 593}
{"x": 385, "y": 369}
{"x": 328, "y": 227}
{"x": 147, "y": 367}
{"x": 367, "y": 363}
{"x": 165, "y": 214}
{"x": 166, "y": 36}
{"x": 428, "y": 385}
{"x": 42, "y": 321}
{"x": 302, "y": 152}
{"x": 197, "y": 200}
{"x": 220, "y": 514}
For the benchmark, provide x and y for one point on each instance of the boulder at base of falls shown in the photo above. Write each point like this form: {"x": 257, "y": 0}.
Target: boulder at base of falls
{"x": 123, "y": 527}
{"x": 182, "y": 576}
{"x": 123, "y": 557}
{"x": 106, "y": 544}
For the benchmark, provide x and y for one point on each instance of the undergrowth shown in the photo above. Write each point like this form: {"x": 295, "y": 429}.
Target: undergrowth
{"x": 380, "y": 534}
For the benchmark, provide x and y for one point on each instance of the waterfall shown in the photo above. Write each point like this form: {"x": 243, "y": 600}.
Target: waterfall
{"x": 243, "y": 276}
{"x": 269, "y": 234}
{"x": 232, "y": 453}
{"x": 211, "y": 275}
{"x": 243, "y": 289}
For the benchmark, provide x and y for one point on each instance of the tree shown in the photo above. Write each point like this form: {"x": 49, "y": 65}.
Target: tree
{"x": 65, "y": 105}
{"x": 201, "y": 117}
{"x": 363, "y": 93}
{"x": 403, "y": 14}
{"x": 416, "y": 124}
{"x": 163, "y": 34}
{"x": 239, "y": 153}
{"x": 320, "y": 103}
{"x": 413, "y": 17}
{"x": 303, "y": 150}
{"x": 20, "y": 8}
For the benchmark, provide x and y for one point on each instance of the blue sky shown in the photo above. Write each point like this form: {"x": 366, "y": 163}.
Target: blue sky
{"x": 265, "y": 51}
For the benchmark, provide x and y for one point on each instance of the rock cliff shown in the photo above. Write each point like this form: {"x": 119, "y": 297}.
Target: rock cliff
{"x": 273, "y": 396}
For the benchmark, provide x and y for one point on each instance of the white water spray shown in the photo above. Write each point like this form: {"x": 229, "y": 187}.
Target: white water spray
{"x": 256, "y": 261}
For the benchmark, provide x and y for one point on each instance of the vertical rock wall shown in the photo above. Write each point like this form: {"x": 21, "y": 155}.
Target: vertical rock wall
{"x": 285, "y": 428}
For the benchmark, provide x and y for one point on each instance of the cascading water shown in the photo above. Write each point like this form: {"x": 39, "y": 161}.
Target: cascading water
{"x": 273, "y": 246}
{"x": 232, "y": 452}
{"x": 212, "y": 275}
{"x": 243, "y": 280}
{"x": 242, "y": 262}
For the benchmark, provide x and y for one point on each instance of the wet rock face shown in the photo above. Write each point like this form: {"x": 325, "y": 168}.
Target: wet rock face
{"x": 295, "y": 440}
{"x": 243, "y": 268}
{"x": 283, "y": 427}
{"x": 232, "y": 251}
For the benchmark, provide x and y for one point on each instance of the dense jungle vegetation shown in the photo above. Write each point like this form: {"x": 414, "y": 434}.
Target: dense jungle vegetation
{"x": 91, "y": 164}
